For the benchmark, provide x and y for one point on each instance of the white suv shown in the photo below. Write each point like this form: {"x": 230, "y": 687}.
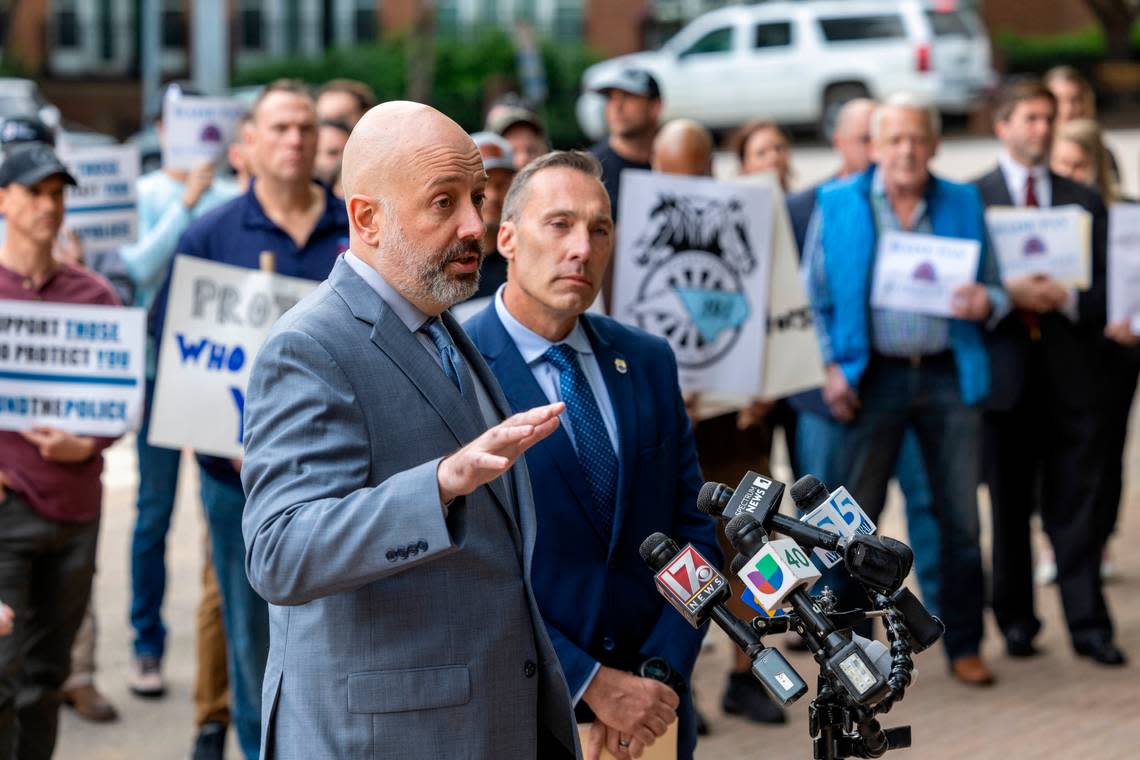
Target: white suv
{"x": 798, "y": 62}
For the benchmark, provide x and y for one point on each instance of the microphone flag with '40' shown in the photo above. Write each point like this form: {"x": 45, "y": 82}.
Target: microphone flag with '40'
{"x": 778, "y": 569}
{"x": 842, "y": 515}
{"x": 690, "y": 583}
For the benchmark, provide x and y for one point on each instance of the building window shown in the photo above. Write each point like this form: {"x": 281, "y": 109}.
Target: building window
{"x": 447, "y": 17}
{"x": 174, "y": 25}
{"x": 364, "y": 24}
{"x": 67, "y": 26}
{"x": 567, "y": 21}
{"x": 251, "y": 24}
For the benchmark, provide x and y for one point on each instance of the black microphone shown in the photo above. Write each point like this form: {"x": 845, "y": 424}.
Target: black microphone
{"x": 842, "y": 658}
{"x": 808, "y": 493}
{"x": 697, "y": 590}
{"x": 759, "y": 497}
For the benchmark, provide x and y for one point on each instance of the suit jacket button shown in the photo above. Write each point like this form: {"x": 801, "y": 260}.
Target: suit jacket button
{"x": 529, "y": 668}
{"x": 422, "y": 545}
{"x": 391, "y": 555}
{"x": 608, "y": 644}
{"x": 402, "y": 553}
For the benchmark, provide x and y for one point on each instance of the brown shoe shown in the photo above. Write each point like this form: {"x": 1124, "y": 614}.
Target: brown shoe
{"x": 972, "y": 671}
{"x": 90, "y": 704}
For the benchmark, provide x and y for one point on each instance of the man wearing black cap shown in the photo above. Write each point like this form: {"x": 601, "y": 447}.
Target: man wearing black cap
{"x": 633, "y": 105}
{"x": 520, "y": 126}
{"x": 50, "y": 491}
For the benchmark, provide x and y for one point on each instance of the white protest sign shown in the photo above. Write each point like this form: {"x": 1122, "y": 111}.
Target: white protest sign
{"x": 1052, "y": 241}
{"x": 692, "y": 266}
{"x": 102, "y": 209}
{"x": 919, "y": 273}
{"x": 1124, "y": 264}
{"x": 791, "y": 326}
{"x": 74, "y": 367}
{"x": 196, "y": 130}
{"x": 217, "y": 318}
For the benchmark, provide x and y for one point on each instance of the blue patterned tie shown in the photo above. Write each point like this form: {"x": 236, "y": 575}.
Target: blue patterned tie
{"x": 452, "y": 361}
{"x": 594, "y": 448}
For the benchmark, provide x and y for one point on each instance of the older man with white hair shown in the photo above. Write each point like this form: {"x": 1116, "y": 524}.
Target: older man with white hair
{"x": 889, "y": 369}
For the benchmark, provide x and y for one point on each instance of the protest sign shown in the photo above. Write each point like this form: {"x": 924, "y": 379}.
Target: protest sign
{"x": 217, "y": 318}
{"x": 102, "y": 209}
{"x": 791, "y": 324}
{"x": 1052, "y": 241}
{"x": 197, "y": 130}
{"x": 692, "y": 266}
{"x": 919, "y": 273}
{"x": 1124, "y": 264}
{"x": 74, "y": 367}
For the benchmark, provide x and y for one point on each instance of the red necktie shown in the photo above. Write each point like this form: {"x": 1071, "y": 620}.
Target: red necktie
{"x": 1029, "y": 318}
{"x": 1031, "y": 192}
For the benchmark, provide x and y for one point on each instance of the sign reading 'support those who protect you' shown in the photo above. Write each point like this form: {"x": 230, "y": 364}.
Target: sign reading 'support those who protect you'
{"x": 72, "y": 367}
{"x": 103, "y": 208}
{"x": 217, "y": 318}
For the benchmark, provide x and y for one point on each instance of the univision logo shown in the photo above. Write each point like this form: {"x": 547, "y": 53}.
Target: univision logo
{"x": 768, "y": 577}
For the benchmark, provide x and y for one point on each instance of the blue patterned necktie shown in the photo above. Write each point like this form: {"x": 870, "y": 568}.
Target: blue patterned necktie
{"x": 594, "y": 448}
{"x": 452, "y": 361}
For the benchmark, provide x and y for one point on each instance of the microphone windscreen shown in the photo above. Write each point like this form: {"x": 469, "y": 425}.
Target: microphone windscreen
{"x": 808, "y": 493}
{"x": 650, "y": 545}
{"x": 738, "y": 563}
{"x": 736, "y": 525}
{"x": 707, "y": 501}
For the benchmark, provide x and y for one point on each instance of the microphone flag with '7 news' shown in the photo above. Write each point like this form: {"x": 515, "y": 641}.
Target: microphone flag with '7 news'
{"x": 690, "y": 582}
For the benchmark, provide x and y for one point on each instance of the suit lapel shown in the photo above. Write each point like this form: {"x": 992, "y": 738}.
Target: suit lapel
{"x": 995, "y": 191}
{"x": 556, "y": 453}
{"x": 620, "y": 386}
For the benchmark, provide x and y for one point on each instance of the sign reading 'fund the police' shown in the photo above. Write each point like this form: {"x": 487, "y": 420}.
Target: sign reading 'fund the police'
{"x": 217, "y": 318}
{"x": 76, "y": 368}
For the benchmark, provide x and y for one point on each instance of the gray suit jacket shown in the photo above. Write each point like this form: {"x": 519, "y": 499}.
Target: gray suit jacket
{"x": 394, "y": 631}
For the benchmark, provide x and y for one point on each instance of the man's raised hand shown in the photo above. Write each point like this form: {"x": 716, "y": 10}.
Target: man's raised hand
{"x": 493, "y": 453}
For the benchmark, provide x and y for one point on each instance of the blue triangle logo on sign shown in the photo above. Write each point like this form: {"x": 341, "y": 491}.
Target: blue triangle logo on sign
{"x": 714, "y": 311}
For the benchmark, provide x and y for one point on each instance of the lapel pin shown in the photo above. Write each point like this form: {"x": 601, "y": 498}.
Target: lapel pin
{"x": 621, "y": 366}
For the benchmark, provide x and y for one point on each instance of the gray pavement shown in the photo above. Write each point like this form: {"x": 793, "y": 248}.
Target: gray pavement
{"x": 1051, "y": 707}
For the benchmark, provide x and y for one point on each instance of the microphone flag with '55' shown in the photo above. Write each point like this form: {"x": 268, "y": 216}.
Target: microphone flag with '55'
{"x": 836, "y": 512}
{"x": 690, "y": 582}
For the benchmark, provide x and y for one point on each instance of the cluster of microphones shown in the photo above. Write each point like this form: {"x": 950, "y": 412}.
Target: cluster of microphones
{"x": 859, "y": 677}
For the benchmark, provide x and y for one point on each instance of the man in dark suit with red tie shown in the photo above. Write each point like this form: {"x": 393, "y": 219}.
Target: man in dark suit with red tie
{"x": 1041, "y": 452}
{"x": 623, "y": 465}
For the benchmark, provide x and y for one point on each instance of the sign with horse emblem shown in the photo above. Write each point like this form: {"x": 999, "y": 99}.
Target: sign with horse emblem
{"x": 692, "y": 266}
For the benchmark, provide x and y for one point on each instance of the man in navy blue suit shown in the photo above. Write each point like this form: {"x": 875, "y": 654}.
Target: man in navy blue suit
{"x": 622, "y": 466}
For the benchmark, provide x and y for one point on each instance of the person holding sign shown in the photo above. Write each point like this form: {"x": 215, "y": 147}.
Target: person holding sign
{"x": 303, "y": 225}
{"x": 892, "y": 368}
{"x": 1041, "y": 447}
{"x": 602, "y": 492}
{"x": 1079, "y": 154}
{"x": 389, "y": 522}
{"x": 50, "y": 488}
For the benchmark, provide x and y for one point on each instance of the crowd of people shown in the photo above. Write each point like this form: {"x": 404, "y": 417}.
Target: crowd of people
{"x": 383, "y": 490}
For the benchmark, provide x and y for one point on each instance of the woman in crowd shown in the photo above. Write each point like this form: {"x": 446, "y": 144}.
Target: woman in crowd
{"x": 1079, "y": 153}
{"x": 762, "y": 145}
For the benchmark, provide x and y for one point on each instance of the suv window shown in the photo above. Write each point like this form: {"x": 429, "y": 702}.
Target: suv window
{"x": 948, "y": 24}
{"x": 716, "y": 41}
{"x": 854, "y": 28}
{"x": 773, "y": 35}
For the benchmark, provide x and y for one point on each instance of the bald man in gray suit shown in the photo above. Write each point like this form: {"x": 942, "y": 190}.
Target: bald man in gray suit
{"x": 389, "y": 520}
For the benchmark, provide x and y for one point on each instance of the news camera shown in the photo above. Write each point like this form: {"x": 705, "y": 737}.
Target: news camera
{"x": 859, "y": 679}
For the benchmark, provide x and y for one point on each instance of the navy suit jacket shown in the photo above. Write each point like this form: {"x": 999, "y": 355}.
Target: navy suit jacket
{"x": 596, "y": 595}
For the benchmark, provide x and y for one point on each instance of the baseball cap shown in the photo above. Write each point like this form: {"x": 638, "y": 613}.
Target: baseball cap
{"x": 31, "y": 163}
{"x": 17, "y": 130}
{"x": 503, "y": 117}
{"x": 634, "y": 81}
{"x": 496, "y": 151}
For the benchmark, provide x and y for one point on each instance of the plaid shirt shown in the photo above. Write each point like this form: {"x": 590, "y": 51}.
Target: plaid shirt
{"x": 893, "y": 332}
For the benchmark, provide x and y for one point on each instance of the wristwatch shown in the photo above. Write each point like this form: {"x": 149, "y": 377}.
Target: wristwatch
{"x": 659, "y": 670}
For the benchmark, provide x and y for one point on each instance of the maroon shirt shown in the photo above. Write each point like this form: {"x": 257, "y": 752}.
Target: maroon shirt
{"x": 62, "y": 492}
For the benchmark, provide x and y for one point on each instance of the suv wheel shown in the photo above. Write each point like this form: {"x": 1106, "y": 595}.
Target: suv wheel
{"x": 834, "y": 98}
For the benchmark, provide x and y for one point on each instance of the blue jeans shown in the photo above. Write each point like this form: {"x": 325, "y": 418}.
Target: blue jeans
{"x": 245, "y": 615}
{"x": 158, "y": 485}
{"x": 824, "y": 452}
{"x": 897, "y": 396}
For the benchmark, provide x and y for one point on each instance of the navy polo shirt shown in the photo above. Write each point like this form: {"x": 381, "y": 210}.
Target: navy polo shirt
{"x": 236, "y": 233}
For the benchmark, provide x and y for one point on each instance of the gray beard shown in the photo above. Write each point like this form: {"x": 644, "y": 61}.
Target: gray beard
{"x": 426, "y": 278}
